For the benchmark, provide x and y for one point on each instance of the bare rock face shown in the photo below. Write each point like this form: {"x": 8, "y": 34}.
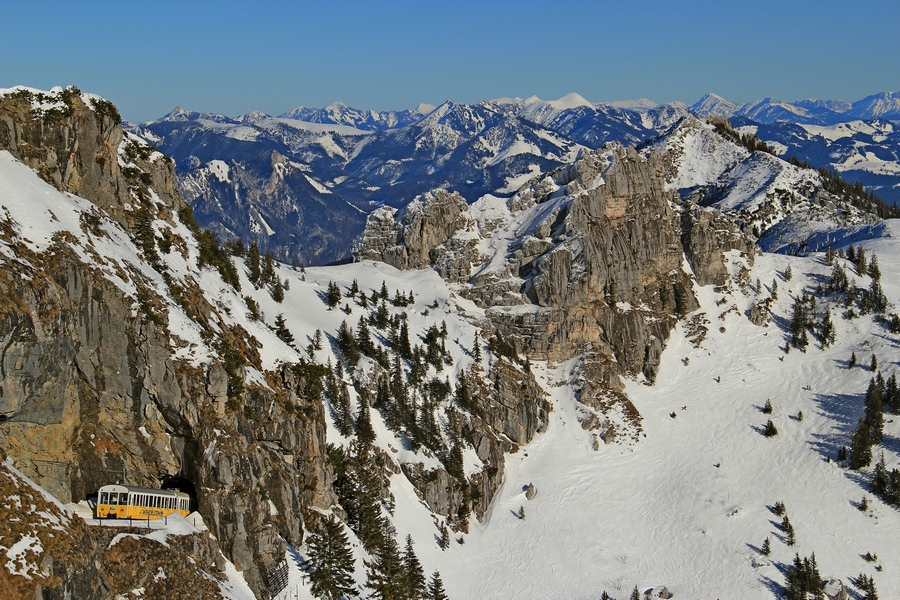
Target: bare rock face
{"x": 90, "y": 391}
{"x": 705, "y": 235}
{"x": 588, "y": 262}
{"x": 428, "y": 222}
{"x": 75, "y": 146}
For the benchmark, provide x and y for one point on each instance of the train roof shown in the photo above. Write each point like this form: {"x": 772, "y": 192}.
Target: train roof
{"x": 115, "y": 487}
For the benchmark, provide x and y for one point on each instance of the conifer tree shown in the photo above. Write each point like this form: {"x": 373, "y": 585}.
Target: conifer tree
{"x": 364, "y": 432}
{"x": 788, "y": 273}
{"x": 253, "y": 267}
{"x": 829, "y": 256}
{"x": 827, "y": 332}
{"x": 766, "y": 547}
{"x": 414, "y": 575}
{"x": 874, "y": 270}
{"x": 333, "y": 295}
{"x": 281, "y": 330}
{"x": 880, "y": 479}
{"x": 874, "y": 412}
{"x": 892, "y": 395}
{"x": 317, "y": 340}
{"x": 839, "y": 281}
{"x": 331, "y": 561}
{"x": 861, "y": 266}
{"x": 860, "y": 447}
{"x": 363, "y": 338}
{"x": 770, "y": 430}
{"x": 276, "y": 290}
{"x": 384, "y": 290}
{"x": 445, "y": 537}
{"x": 385, "y": 573}
{"x": 635, "y": 594}
{"x": 347, "y": 344}
{"x": 436, "y": 588}
{"x": 852, "y": 362}
{"x": 874, "y": 364}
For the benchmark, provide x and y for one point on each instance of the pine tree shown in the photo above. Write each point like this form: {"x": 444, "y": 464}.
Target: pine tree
{"x": 874, "y": 365}
{"x": 347, "y": 344}
{"x": 635, "y": 594}
{"x": 892, "y": 395}
{"x": 364, "y": 432}
{"x": 852, "y": 362}
{"x": 769, "y": 430}
{"x": 788, "y": 273}
{"x": 281, "y": 330}
{"x": 880, "y": 481}
{"x": 331, "y": 561}
{"x": 767, "y": 407}
{"x": 436, "y": 588}
{"x": 253, "y": 270}
{"x": 861, "y": 266}
{"x": 385, "y": 574}
{"x": 333, "y": 295}
{"x": 384, "y": 290}
{"x": 317, "y": 340}
{"x": 445, "y": 537}
{"x": 827, "y": 333}
{"x": 839, "y": 281}
{"x": 363, "y": 338}
{"x": 874, "y": 270}
{"x": 414, "y": 576}
{"x": 766, "y": 547}
{"x": 798, "y": 325}
{"x": 860, "y": 447}
{"x": 788, "y": 529}
{"x": 276, "y": 290}
{"x": 874, "y": 412}
{"x": 829, "y": 256}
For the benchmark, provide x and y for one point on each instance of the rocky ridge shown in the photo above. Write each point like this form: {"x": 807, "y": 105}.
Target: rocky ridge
{"x": 587, "y": 261}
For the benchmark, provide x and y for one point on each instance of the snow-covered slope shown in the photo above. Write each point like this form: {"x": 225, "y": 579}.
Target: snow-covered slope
{"x": 686, "y": 505}
{"x": 777, "y": 202}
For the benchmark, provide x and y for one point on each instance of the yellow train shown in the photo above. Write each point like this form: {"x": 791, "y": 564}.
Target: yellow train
{"x": 125, "y": 501}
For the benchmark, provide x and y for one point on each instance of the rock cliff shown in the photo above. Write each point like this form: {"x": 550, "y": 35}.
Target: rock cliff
{"x": 97, "y": 384}
{"x": 596, "y": 259}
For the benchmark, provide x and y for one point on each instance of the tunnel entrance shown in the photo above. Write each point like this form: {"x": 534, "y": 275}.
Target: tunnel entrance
{"x": 182, "y": 485}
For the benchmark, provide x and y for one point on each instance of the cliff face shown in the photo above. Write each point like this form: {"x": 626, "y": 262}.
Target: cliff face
{"x": 586, "y": 261}
{"x": 97, "y": 384}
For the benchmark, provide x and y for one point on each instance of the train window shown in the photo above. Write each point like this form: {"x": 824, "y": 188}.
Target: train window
{"x": 104, "y": 497}
{"x": 123, "y": 498}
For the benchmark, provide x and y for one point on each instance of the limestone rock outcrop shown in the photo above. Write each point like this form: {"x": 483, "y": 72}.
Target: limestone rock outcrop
{"x": 91, "y": 391}
{"x": 587, "y": 260}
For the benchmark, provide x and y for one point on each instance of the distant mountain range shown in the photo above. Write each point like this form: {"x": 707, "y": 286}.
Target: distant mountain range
{"x": 884, "y": 105}
{"x": 301, "y": 184}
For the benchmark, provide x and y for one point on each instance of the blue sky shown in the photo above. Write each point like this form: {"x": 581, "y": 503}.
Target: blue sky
{"x": 233, "y": 57}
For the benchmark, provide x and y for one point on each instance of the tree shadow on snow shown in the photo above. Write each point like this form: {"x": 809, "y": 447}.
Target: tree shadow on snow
{"x": 844, "y": 410}
{"x": 775, "y": 587}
